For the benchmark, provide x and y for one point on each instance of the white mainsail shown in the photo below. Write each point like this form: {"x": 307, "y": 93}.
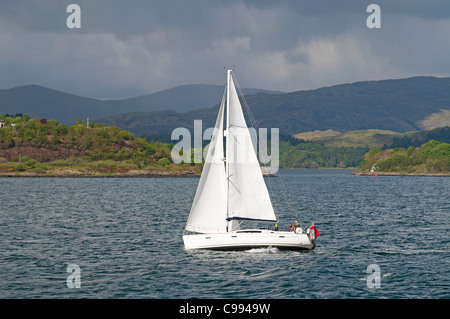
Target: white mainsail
{"x": 208, "y": 213}
{"x": 248, "y": 197}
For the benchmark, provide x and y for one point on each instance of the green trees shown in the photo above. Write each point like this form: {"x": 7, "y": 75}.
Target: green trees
{"x": 6, "y": 139}
{"x": 300, "y": 154}
{"x": 49, "y": 144}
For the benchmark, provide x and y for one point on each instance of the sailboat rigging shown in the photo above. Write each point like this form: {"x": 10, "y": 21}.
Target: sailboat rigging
{"x": 232, "y": 189}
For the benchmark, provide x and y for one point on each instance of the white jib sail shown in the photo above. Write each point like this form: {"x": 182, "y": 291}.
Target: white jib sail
{"x": 208, "y": 212}
{"x": 248, "y": 197}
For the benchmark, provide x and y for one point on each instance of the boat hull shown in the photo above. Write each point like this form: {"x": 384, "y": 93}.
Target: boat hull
{"x": 242, "y": 240}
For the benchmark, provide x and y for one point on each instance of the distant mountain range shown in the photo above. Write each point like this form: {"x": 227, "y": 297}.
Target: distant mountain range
{"x": 400, "y": 105}
{"x": 42, "y": 102}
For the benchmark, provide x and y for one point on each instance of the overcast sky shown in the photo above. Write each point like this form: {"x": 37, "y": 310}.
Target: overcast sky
{"x": 130, "y": 48}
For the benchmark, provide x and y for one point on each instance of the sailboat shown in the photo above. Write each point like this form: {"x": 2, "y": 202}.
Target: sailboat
{"x": 232, "y": 190}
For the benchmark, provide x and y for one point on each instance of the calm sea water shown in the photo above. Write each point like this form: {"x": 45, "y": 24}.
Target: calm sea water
{"x": 125, "y": 236}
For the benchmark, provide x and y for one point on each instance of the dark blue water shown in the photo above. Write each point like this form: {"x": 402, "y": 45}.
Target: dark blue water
{"x": 125, "y": 235}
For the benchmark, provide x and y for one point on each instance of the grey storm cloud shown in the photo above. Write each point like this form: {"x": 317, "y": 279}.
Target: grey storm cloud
{"x": 128, "y": 48}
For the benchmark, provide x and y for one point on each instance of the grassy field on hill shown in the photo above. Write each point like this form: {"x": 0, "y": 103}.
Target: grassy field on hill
{"x": 365, "y": 138}
{"x": 376, "y": 138}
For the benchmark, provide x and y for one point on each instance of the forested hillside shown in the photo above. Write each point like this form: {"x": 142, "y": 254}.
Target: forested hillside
{"x": 48, "y": 147}
{"x": 432, "y": 157}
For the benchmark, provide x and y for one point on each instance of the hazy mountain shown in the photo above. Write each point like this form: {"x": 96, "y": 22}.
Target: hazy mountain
{"x": 183, "y": 98}
{"x": 399, "y": 105}
{"x": 42, "y": 102}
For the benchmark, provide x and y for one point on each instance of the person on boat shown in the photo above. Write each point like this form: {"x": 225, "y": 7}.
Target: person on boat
{"x": 291, "y": 227}
{"x": 297, "y": 228}
{"x": 275, "y": 227}
{"x": 316, "y": 232}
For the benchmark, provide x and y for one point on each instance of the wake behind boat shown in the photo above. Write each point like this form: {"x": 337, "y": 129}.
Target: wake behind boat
{"x": 232, "y": 189}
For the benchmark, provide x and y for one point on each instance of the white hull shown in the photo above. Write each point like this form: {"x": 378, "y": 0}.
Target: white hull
{"x": 248, "y": 239}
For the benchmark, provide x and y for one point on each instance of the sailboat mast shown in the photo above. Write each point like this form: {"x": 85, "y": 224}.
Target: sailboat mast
{"x": 227, "y": 126}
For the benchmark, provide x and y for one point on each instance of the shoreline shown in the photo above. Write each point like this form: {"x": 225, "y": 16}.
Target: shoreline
{"x": 95, "y": 174}
{"x": 86, "y": 173}
{"x": 359, "y": 173}
{"x": 117, "y": 175}
{"x": 98, "y": 176}
{"x": 143, "y": 175}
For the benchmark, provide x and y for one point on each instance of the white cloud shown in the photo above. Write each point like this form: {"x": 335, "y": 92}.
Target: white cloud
{"x": 320, "y": 62}
{"x": 230, "y": 47}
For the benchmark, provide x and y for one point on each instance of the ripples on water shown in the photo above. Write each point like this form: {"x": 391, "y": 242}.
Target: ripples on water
{"x": 125, "y": 234}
